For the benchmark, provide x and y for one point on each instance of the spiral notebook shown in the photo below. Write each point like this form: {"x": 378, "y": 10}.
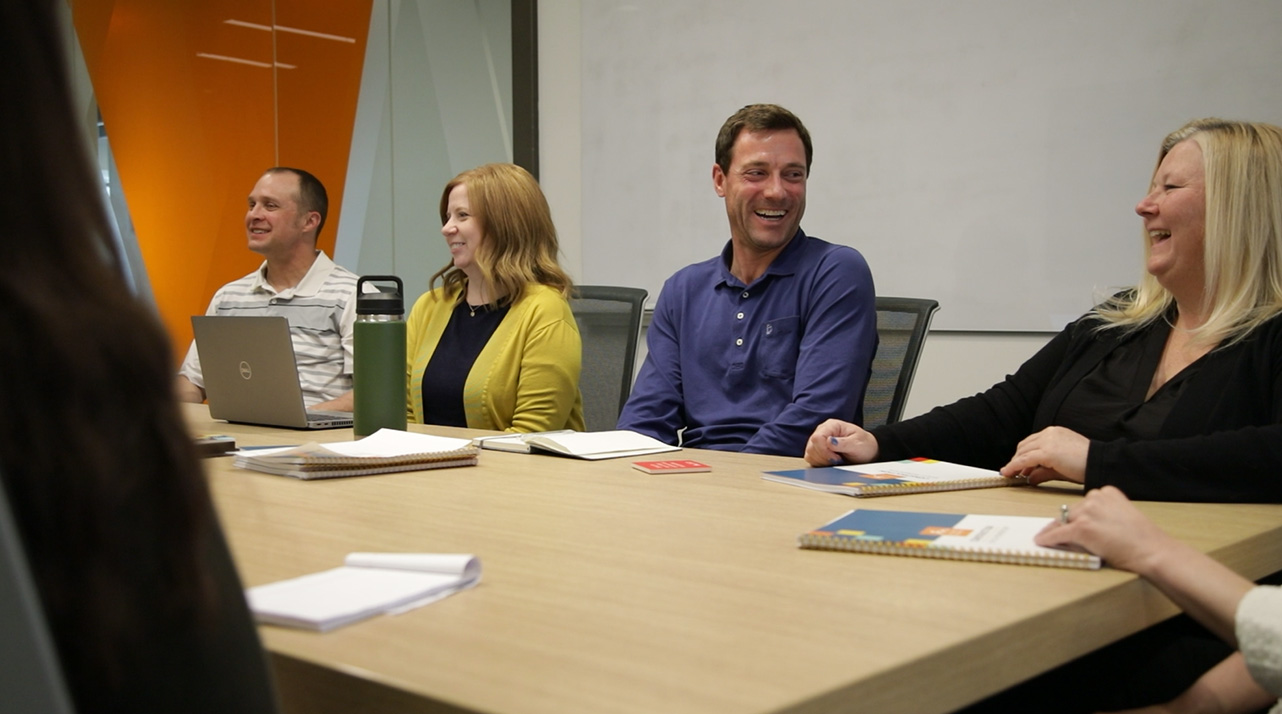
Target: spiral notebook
{"x": 384, "y": 451}
{"x": 952, "y": 536}
{"x": 889, "y": 478}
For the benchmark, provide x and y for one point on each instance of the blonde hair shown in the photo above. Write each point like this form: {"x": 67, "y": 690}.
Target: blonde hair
{"x": 519, "y": 244}
{"x": 1242, "y": 248}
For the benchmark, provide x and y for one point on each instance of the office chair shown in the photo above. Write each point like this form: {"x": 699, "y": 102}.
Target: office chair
{"x": 30, "y": 672}
{"x": 902, "y": 324}
{"x": 609, "y": 321}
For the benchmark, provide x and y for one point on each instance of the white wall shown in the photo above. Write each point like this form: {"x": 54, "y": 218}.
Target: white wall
{"x": 560, "y": 125}
{"x": 953, "y": 365}
{"x": 984, "y": 149}
{"x": 959, "y": 364}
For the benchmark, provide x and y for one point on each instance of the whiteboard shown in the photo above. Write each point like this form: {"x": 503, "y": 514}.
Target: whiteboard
{"x": 987, "y": 154}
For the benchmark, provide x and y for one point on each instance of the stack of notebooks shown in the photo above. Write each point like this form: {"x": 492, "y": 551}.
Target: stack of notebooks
{"x": 384, "y": 451}
{"x": 954, "y": 536}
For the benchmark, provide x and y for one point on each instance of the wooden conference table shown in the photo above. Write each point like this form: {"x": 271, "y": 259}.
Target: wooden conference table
{"x": 609, "y": 590}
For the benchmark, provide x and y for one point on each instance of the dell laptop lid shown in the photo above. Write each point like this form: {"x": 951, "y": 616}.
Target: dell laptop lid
{"x": 250, "y": 373}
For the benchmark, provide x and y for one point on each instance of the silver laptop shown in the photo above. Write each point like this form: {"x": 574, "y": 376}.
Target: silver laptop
{"x": 250, "y": 373}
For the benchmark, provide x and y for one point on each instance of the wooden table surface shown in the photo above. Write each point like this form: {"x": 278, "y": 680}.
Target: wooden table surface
{"x": 609, "y": 590}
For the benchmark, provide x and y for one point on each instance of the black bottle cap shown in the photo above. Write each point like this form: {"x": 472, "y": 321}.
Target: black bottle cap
{"x": 381, "y": 302}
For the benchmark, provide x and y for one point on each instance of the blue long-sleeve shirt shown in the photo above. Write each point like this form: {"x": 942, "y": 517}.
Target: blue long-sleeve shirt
{"x": 757, "y": 367}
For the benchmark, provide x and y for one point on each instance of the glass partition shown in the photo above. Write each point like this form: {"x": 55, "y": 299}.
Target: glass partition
{"x": 384, "y": 100}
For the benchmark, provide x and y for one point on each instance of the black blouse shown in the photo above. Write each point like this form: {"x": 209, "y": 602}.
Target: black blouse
{"x": 1111, "y": 402}
{"x": 1219, "y": 440}
{"x": 466, "y": 334}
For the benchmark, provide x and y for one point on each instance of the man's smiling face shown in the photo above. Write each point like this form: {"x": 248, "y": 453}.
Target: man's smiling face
{"x": 764, "y": 189}
{"x": 274, "y": 220}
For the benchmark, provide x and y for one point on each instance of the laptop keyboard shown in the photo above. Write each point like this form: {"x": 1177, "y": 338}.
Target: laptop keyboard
{"x": 323, "y": 414}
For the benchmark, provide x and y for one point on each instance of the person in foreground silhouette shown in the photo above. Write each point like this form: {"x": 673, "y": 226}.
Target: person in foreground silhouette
{"x": 135, "y": 580}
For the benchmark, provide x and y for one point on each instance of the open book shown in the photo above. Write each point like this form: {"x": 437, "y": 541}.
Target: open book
{"x": 369, "y": 584}
{"x": 517, "y": 443}
{"x": 994, "y": 539}
{"x": 581, "y": 444}
{"x": 888, "y": 478}
{"x": 384, "y": 451}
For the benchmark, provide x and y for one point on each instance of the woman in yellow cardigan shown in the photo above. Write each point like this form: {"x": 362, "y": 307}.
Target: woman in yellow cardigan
{"x": 496, "y": 346}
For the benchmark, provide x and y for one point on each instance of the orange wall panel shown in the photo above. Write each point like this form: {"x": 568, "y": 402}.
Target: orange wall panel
{"x": 191, "y": 134}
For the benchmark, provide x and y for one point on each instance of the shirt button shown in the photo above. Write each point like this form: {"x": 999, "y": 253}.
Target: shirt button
{"x": 740, "y": 316}
{"x": 745, "y": 293}
{"x": 739, "y": 342}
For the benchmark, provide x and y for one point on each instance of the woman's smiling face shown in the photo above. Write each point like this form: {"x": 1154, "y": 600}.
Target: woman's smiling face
{"x": 462, "y": 230}
{"x": 1174, "y": 213}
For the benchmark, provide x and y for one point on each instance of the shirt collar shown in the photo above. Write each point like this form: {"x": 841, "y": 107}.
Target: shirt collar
{"x": 309, "y": 286}
{"x": 784, "y": 264}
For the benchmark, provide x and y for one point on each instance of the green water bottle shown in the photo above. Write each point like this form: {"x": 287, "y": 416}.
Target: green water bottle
{"x": 379, "y": 352}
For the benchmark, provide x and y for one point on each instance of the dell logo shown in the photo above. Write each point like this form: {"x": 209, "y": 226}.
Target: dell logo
{"x": 245, "y": 370}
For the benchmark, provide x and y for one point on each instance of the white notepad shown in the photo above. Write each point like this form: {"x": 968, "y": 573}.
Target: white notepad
{"x": 368, "y": 584}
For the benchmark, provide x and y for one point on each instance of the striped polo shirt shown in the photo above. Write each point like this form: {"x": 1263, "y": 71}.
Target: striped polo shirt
{"x": 321, "y": 311}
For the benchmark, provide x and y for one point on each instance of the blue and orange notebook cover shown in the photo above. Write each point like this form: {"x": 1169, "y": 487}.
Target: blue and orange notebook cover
{"x": 953, "y": 536}
{"x": 888, "y": 478}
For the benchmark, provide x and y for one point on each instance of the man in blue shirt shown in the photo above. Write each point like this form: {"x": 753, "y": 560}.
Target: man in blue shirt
{"x": 751, "y": 350}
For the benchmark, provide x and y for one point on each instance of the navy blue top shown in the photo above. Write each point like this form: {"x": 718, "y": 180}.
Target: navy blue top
{"x": 465, "y": 335}
{"x": 757, "y": 367}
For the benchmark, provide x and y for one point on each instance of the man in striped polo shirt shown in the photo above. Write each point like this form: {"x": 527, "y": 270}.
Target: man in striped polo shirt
{"x": 287, "y": 210}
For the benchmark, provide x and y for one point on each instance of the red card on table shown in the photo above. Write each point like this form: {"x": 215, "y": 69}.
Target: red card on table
{"x": 671, "y": 466}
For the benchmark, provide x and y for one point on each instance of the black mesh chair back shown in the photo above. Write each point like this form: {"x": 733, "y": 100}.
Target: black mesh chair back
{"x": 902, "y": 325}
{"x": 609, "y": 321}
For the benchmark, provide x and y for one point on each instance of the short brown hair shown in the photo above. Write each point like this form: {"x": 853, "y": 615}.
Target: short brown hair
{"x": 311, "y": 192}
{"x": 759, "y": 117}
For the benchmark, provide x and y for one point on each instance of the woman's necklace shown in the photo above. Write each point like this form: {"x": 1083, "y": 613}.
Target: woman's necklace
{"x": 481, "y": 294}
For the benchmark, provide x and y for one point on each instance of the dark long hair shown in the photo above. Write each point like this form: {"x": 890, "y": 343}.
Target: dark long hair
{"x": 107, "y": 491}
